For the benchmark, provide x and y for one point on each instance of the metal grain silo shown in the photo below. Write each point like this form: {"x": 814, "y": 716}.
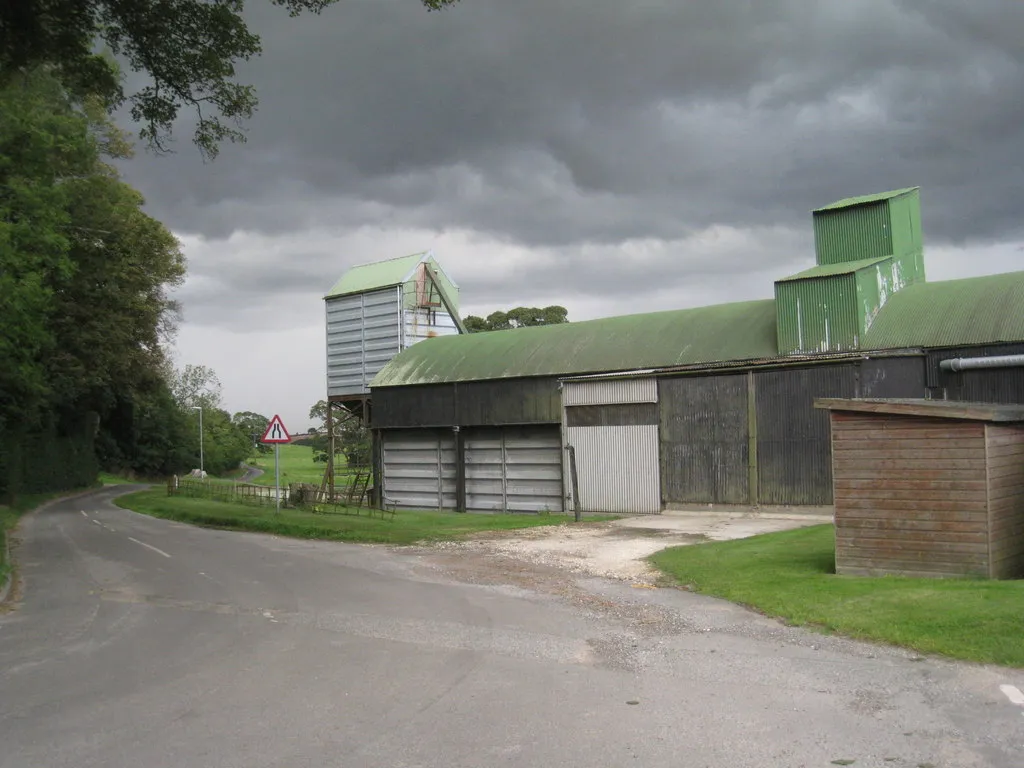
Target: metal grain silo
{"x": 376, "y": 310}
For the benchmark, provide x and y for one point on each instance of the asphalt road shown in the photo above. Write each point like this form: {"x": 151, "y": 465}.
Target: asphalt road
{"x": 139, "y": 642}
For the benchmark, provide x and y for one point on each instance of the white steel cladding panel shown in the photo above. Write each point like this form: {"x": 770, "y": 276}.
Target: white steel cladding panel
{"x": 423, "y": 323}
{"x": 419, "y": 468}
{"x": 617, "y": 468}
{"x": 514, "y": 469}
{"x": 364, "y": 331}
{"x": 609, "y": 392}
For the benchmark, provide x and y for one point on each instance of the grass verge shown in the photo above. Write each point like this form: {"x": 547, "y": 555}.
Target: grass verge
{"x": 791, "y": 575}
{"x": 405, "y": 528}
{"x": 297, "y": 466}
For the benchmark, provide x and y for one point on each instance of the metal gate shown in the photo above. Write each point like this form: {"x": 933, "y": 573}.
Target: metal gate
{"x": 419, "y": 468}
{"x": 513, "y": 469}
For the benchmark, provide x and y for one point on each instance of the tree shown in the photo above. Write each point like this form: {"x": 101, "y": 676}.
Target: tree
{"x": 254, "y": 425}
{"x": 84, "y": 279}
{"x": 520, "y": 317}
{"x": 351, "y": 437}
{"x": 187, "y": 48}
{"x": 196, "y": 386}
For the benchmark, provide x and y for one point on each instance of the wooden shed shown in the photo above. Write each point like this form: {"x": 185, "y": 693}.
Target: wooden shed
{"x": 928, "y": 487}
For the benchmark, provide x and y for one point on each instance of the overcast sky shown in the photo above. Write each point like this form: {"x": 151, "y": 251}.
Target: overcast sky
{"x": 609, "y": 156}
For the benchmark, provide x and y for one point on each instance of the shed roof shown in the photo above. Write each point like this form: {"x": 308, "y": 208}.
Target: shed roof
{"x": 864, "y": 199}
{"x": 937, "y": 409}
{"x": 979, "y": 310}
{"x": 740, "y": 331}
{"x": 950, "y": 313}
{"x": 380, "y": 274}
{"x": 827, "y": 270}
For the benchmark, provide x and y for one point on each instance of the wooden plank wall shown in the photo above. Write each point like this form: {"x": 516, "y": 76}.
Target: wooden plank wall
{"x": 910, "y": 495}
{"x": 1006, "y": 500}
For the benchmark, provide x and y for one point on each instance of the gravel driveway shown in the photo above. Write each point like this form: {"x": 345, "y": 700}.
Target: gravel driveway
{"x": 617, "y": 549}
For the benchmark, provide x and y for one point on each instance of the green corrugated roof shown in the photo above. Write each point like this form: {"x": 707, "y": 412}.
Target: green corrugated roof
{"x": 979, "y": 310}
{"x": 975, "y": 310}
{"x": 827, "y": 270}
{"x": 380, "y": 274}
{"x": 742, "y": 331}
{"x": 875, "y": 198}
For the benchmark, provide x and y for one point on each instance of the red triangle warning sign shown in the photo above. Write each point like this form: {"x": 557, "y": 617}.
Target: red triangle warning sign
{"x": 276, "y": 433}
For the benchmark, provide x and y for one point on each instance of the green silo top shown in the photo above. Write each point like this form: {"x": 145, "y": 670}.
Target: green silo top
{"x": 828, "y": 270}
{"x": 384, "y": 274}
{"x": 878, "y": 197}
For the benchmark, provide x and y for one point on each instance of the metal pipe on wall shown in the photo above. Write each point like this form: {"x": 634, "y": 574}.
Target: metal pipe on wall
{"x": 972, "y": 363}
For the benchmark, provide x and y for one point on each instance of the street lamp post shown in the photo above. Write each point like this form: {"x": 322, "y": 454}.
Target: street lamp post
{"x": 200, "y": 409}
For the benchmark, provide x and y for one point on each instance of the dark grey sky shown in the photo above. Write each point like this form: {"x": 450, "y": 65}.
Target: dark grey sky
{"x": 607, "y": 156}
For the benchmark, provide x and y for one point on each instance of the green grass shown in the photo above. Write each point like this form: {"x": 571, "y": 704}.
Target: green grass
{"x": 108, "y": 479}
{"x": 791, "y": 575}
{"x": 404, "y": 528}
{"x": 297, "y": 466}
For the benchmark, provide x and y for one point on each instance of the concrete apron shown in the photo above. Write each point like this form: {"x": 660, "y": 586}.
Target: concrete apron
{"x": 724, "y": 524}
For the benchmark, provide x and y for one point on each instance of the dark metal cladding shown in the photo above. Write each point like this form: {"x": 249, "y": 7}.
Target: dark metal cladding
{"x": 473, "y": 403}
{"x": 620, "y": 415}
{"x": 891, "y": 377}
{"x": 993, "y": 385}
{"x": 793, "y": 440}
{"x": 704, "y": 439}
{"x": 508, "y": 401}
{"x": 431, "y": 405}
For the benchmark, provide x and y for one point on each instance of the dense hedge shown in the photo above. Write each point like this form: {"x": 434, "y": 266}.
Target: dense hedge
{"x": 52, "y": 457}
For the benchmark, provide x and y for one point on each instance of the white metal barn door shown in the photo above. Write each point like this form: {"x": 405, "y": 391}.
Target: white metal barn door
{"x": 419, "y": 468}
{"x": 613, "y": 430}
{"x": 514, "y": 469}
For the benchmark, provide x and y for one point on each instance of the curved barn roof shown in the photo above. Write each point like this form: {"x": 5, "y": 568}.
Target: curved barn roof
{"x": 742, "y": 331}
{"x": 951, "y": 313}
{"x": 980, "y": 310}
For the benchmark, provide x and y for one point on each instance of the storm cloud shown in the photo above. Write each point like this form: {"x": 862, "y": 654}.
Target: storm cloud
{"x": 607, "y": 156}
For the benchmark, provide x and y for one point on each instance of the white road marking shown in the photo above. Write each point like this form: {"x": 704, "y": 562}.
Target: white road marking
{"x": 149, "y": 546}
{"x": 83, "y": 513}
{"x": 97, "y": 522}
{"x": 1013, "y": 694}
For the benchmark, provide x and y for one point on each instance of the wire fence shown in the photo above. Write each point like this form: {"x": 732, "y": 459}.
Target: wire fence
{"x": 351, "y": 495}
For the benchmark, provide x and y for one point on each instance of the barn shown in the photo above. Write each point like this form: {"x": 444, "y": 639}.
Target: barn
{"x": 708, "y": 405}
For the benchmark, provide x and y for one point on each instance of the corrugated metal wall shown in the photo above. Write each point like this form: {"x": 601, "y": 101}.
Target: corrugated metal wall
{"x": 793, "y": 440}
{"x": 515, "y": 469}
{"x": 609, "y": 392}
{"x": 993, "y": 385}
{"x": 364, "y": 332}
{"x": 891, "y": 377}
{"x": 617, "y": 468}
{"x": 850, "y": 234}
{"x": 905, "y": 217}
{"x": 419, "y": 468}
{"x": 423, "y": 323}
{"x": 818, "y": 315}
{"x": 704, "y": 446}
{"x": 468, "y": 404}
{"x": 612, "y": 427}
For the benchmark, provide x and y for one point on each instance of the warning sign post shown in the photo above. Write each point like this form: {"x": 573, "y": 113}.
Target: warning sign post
{"x": 275, "y": 435}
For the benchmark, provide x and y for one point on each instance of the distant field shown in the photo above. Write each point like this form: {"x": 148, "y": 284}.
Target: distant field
{"x": 297, "y": 466}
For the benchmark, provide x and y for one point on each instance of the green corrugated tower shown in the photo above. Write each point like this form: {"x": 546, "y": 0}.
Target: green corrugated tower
{"x": 867, "y": 248}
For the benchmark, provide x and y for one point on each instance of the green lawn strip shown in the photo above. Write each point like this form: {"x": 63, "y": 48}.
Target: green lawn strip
{"x": 297, "y": 466}
{"x": 406, "y": 527}
{"x": 790, "y": 575}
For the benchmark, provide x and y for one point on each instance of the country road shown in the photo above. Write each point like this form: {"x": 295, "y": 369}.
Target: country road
{"x": 139, "y": 642}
